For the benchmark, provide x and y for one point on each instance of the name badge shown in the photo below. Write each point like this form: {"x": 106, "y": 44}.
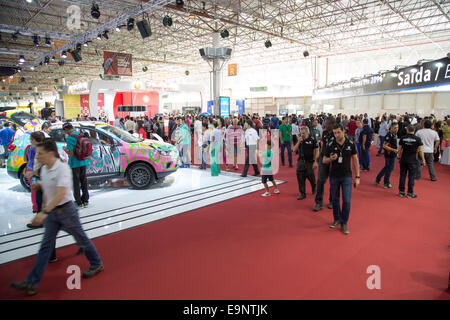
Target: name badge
{"x": 340, "y": 160}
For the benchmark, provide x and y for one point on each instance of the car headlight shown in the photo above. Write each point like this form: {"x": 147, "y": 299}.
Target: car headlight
{"x": 162, "y": 152}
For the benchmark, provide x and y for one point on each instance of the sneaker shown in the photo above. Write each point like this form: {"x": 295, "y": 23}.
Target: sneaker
{"x": 265, "y": 194}
{"x": 80, "y": 206}
{"x": 433, "y": 179}
{"x": 243, "y": 175}
{"x": 334, "y": 224}
{"x": 330, "y": 206}
{"x": 80, "y": 251}
{"x": 301, "y": 197}
{"x": 401, "y": 194}
{"x": 276, "y": 191}
{"x": 31, "y": 226}
{"x": 85, "y": 204}
{"x": 182, "y": 166}
{"x": 317, "y": 207}
{"x": 388, "y": 186}
{"x": 313, "y": 191}
{"x": 376, "y": 182}
{"x": 92, "y": 272}
{"x": 24, "y": 286}
{"x": 345, "y": 229}
{"x": 53, "y": 260}
{"x": 411, "y": 195}
{"x": 236, "y": 168}
{"x": 364, "y": 170}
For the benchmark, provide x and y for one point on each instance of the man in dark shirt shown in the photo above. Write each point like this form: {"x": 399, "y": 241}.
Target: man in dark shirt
{"x": 408, "y": 147}
{"x": 308, "y": 156}
{"x": 390, "y": 154}
{"x": 324, "y": 169}
{"x": 365, "y": 139}
{"x": 340, "y": 153}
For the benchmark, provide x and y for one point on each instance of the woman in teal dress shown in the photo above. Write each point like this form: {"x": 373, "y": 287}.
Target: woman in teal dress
{"x": 216, "y": 142}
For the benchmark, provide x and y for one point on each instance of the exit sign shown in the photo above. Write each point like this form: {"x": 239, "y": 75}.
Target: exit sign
{"x": 256, "y": 89}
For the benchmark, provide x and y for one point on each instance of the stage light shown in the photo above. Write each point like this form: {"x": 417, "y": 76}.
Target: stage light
{"x": 47, "y": 61}
{"x": 305, "y": 53}
{"x": 167, "y": 21}
{"x": 180, "y": 3}
{"x": 145, "y": 69}
{"x": 85, "y": 44}
{"x": 118, "y": 28}
{"x": 36, "y": 40}
{"x": 78, "y": 47}
{"x": 21, "y": 59}
{"x": 53, "y": 58}
{"x": 99, "y": 36}
{"x": 130, "y": 24}
{"x": 95, "y": 12}
{"x": 14, "y": 36}
{"x": 105, "y": 34}
{"x": 268, "y": 44}
{"x": 47, "y": 41}
{"x": 32, "y": 68}
{"x": 29, "y": 1}
{"x": 63, "y": 54}
{"x": 224, "y": 34}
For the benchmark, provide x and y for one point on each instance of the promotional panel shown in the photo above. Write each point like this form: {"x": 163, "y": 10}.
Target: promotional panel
{"x": 429, "y": 74}
{"x": 241, "y": 106}
{"x": 210, "y": 106}
{"x": 72, "y": 106}
{"x": 117, "y": 64}
{"x": 224, "y": 103}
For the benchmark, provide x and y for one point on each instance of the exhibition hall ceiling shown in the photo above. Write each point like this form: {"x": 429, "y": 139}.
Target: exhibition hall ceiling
{"x": 321, "y": 27}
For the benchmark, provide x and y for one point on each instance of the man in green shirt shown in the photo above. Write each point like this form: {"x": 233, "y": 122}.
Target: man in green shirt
{"x": 285, "y": 134}
{"x": 185, "y": 143}
{"x": 267, "y": 170}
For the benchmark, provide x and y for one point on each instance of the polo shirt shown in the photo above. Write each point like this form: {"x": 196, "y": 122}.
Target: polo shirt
{"x": 390, "y": 141}
{"x": 71, "y": 145}
{"x": 275, "y": 122}
{"x": 306, "y": 149}
{"x": 285, "y": 132}
{"x": 315, "y": 133}
{"x": 184, "y": 130}
{"x": 366, "y": 131}
{"x": 59, "y": 175}
{"x": 346, "y": 151}
{"x": 352, "y": 128}
{"x": 410, "y": 143}
{"x": 251, "y": 137}
{"x": 267, "y": 157}
{"x": 384, "y": 127}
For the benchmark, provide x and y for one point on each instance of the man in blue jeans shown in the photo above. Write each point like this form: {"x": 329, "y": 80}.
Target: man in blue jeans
{"x": 59, "y": 213}
{"x": 340, "y": 153}
{"x": 390, "y": 153}
{"x": 365, "y": 140}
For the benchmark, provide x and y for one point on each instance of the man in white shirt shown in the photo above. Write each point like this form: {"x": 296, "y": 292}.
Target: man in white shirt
{"x": 251, "y": 145}
{"x": 384, "y": 128}
{"x": 117, "y": 122}
{"x": 129, "y": 125}
{"x": 430, "y": 140}
{"x": 59, "y": 212}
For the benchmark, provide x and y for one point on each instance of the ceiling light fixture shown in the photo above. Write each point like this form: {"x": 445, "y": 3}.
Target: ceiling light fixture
{"x": 78, "y": 47}
{"x": 95, "y": 11}
{"x": 15, "y": 36}
{"x": 21, "y": 59}
{"x": 47, "y": 61}
{"x": 63, "y": 54}
{"x": 32, "y": 68}
{"x": 105, "y": 34}
{"x": 225, "y": 34}
{"x": 47, "y": 41}
{"x": 36, "y": 40}
{"x": 180, "y": 3}
{"x": 268, "y": 44}
{"x": 167, "y": 21}
{"x": 99, "y": 36}
{"x": 305, "y": 53}
{"x": 130, "y": 24}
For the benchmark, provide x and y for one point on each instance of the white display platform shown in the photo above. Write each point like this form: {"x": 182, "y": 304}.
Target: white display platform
{"x": 114, "y": 209}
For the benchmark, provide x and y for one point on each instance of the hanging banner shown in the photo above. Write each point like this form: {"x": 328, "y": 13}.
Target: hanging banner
{"x": 58, "y": 44}
{"x": 84, "y": 104}
{"x": 429, "y": 74}
{"x": 117, "y": 64}
{"x": 224, "y": 103}
{"x": 241, "y": 106}
{"x": 232, "y": 69}
{"x": 72, "y": 106}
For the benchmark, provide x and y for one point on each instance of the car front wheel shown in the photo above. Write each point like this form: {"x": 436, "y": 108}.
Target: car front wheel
{"x": 23, "y": 180}
{"x": 140, "y": 176}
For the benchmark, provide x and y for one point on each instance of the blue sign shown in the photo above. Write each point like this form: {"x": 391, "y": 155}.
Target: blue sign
{"x": 241, "y": 106}
{"x": 210, "y": 106}
{"x": 224, "y": 103}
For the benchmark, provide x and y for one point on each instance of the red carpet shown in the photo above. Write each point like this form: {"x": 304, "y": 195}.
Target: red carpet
{"x": 271, "y": 248}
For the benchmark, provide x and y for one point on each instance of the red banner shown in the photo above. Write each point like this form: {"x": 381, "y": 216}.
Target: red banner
{"x": 84, "y": 103}
{"x": 117, "y": 64}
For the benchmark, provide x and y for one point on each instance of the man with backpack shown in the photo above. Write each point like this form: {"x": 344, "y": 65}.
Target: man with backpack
{"x": 79, "y": 151}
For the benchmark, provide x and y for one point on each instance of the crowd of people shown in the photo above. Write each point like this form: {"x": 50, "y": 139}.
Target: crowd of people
{"x": 330, "y": 145}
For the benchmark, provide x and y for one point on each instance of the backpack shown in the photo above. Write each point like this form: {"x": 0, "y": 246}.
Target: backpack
{"x": 83, "y": 148}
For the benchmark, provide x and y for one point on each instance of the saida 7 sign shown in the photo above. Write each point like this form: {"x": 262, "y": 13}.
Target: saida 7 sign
{"x": 117, "y": 64}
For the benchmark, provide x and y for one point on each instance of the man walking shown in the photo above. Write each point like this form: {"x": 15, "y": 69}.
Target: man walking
{"x": 430, "y": 140}
{"x": 6, "y": 135}
{"x": 184, "y": 141}
{"x": 340, "y": 153}
{"x": 308, "y": 156}
{"x": 408, "y": 147}
{"x": 78, "y": 167}
{"x": 251, "y": 145}
{"x": 365, "y": 139}
{"x": 324, "y": 169}
{"x": 390, "y": 154}
{"x": 286, "y": 133}
{"x": 384, "y": 127}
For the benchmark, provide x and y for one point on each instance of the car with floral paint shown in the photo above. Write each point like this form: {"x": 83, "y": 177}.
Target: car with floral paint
{"x": 116, "y": 153}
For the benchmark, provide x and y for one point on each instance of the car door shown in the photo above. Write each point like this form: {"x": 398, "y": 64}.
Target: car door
{"x": 105, "y": 158}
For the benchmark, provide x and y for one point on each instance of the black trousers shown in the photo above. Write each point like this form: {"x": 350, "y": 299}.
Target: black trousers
{"x": 305, "y": 172}
{"x": 80, "y": 185}
{"x": 410, "y": 169}
{"x": 251, "y": 154}
{"x": 365, "y": 157}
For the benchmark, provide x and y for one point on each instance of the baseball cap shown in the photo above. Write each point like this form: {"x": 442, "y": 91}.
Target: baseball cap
{"x": 67, "y": 125}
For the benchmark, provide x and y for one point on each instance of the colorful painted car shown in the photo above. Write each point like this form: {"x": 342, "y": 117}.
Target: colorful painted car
{"x": 116, "y": 153}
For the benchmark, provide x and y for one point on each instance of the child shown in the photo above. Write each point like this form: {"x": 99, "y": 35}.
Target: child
{"x": 267, "y": 173}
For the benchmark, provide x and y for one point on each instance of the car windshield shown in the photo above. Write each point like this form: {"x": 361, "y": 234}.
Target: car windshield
{"x": 22, "y": 118}
{"x": 121, "y": 134}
